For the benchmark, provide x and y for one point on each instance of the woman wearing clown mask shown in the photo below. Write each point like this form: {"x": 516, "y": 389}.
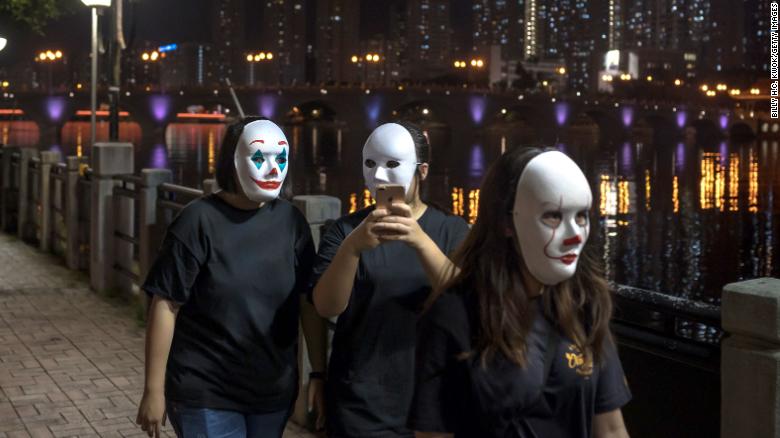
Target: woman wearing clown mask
{"x": 374, "y": 270}
{"x": 221, "y": 344}
{"x": 518, "y": 344}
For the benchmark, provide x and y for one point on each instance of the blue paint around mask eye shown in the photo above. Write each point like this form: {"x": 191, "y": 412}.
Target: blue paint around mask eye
{"x": 258, "y": 159}
{"x": 283, "y": 158}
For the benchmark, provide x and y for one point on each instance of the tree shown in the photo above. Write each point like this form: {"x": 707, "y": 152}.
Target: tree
{"x": 36, "y": 13}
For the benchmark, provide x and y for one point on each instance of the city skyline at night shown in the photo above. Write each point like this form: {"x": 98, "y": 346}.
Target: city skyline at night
{"x": 415, "y": 40}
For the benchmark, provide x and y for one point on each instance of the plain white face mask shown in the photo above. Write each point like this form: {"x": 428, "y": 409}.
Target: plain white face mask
{"x": 389, "y": 157}
{"x": 551, "y": 216}
{"x": 261, "y": 160}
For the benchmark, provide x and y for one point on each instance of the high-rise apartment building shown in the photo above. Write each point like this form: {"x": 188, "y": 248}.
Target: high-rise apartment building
{"x": 498, "y": 23}
{"x": 337, "y": 39}
{"x": 429, "y": 38}
{"x": 709, "y": 31}
{"x": 228, "y": 36}
{"x": 569, "y": 33}
{"x": 284, "y": 36}
{"x": 756, "y": 36}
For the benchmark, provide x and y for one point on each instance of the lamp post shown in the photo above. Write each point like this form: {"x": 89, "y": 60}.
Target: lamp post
{"x": 50, "y": 57}
{"x": 153, "y": 57}
{"x": 94, "y": 5}
{"x": 254, "y": 58}
{"x": 359, "y": 61}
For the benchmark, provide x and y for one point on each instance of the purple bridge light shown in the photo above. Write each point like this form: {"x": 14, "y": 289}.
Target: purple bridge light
{"x": 373, "y": 108}
{"x": 561, "y": 113}
{"x": 477, "y": 108}
{"x": 266, "y": 105}
{"x": 628, "y": 116}
{"x": 682, "y": 117}
{"x": 160, "y": 105}
{"x": 55, "y": 108}
{"x": 723, "y": 121}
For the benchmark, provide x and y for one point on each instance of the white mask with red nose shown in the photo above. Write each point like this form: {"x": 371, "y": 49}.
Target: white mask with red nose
{"x": 551, "y": 216}
{"x": 261, "y": 160}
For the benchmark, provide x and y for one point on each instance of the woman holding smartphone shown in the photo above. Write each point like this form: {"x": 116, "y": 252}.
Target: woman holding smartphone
{"x": 374, "y": 270}
{"x": 222, "y": 333}
{"x": 519, "y": 345}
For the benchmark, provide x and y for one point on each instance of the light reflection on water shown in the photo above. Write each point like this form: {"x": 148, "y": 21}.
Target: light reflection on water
{"x": 678, "y": 218}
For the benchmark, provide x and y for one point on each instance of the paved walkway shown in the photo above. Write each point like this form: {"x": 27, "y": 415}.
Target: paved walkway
{"x": 71, "y": 362}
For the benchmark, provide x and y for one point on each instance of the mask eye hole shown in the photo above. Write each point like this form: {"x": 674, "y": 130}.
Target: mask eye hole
{"x": 392, "y": 164}
{"x": 370, "y": 164}
{"x": 552, "y": 218}
{"x": 258, "y": 158}
{"x": 281, "y": 160}
{"x": 582, "y": 218}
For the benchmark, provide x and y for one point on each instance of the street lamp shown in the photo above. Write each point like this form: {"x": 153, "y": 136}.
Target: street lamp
{"x": 49, "y": 57}
{"x": 3, "y": 43}
{"x": 94, "y": 5}
{"x": 255, "y": 58}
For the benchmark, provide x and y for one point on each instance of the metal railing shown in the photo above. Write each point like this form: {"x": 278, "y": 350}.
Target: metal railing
{"x": 32, "y": 226}
{"x": 10, "y": 195}
{"x": 126, "y": 235}
{"x": 678, "y": 328}
{"x": 175, "y": 197}
{"x": 59, "y": 173}
{"x": 84, "y": 202}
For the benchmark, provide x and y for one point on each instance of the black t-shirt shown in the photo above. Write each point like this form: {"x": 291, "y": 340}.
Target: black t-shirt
{"x": 456, "y": 394}
{"x": 238, "y": 275}
{"x": 371, "y": 369}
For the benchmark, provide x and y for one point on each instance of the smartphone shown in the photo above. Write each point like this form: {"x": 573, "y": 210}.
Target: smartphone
{"x": 388, "y": 194}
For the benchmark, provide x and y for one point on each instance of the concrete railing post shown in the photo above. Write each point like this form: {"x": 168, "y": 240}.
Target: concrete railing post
{"x": 150, "y": 230}
{"x": 48, "y": 158}
{"x": 317, "y": 209}
{"x": 750, "y": 359}
{"x": 210, "y": 186}
{"x": 108, "y": 160}
{"x": 71, "y": 213}
{"x": 5, "y": 190}
{"x": 25, "y": 156}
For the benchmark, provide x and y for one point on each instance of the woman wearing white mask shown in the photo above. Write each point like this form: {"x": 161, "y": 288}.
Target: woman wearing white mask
{"x": 518, "y": 344}
{"x": 374, "y": 270}
{"x": 221, "y": 343}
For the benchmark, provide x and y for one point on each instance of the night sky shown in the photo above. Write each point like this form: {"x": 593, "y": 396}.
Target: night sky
{"x": 162, "y": 22}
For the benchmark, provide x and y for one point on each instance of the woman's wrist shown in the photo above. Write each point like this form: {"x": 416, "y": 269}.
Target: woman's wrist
{"x": 350, "y": 247}
{"x": 422, "y": 243}
{"x": 153, "y": 390}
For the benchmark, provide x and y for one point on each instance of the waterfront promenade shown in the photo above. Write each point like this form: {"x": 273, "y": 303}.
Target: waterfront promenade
{"x": 71, "y": 361}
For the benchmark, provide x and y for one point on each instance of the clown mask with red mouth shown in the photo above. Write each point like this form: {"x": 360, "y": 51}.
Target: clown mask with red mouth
{"x": 261, "y": 160}
{"x": 551, "y": 216}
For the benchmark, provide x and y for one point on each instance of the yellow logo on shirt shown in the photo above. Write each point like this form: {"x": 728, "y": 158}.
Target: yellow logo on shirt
{"x": 576, "y": 361}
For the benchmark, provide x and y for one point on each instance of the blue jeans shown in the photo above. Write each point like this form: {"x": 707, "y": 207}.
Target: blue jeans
{"x": 189, "y": 422}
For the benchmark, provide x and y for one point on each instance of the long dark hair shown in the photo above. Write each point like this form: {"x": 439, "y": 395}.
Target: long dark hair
{"x": 491, "y": 264}
{"x": 422, "y": 149}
